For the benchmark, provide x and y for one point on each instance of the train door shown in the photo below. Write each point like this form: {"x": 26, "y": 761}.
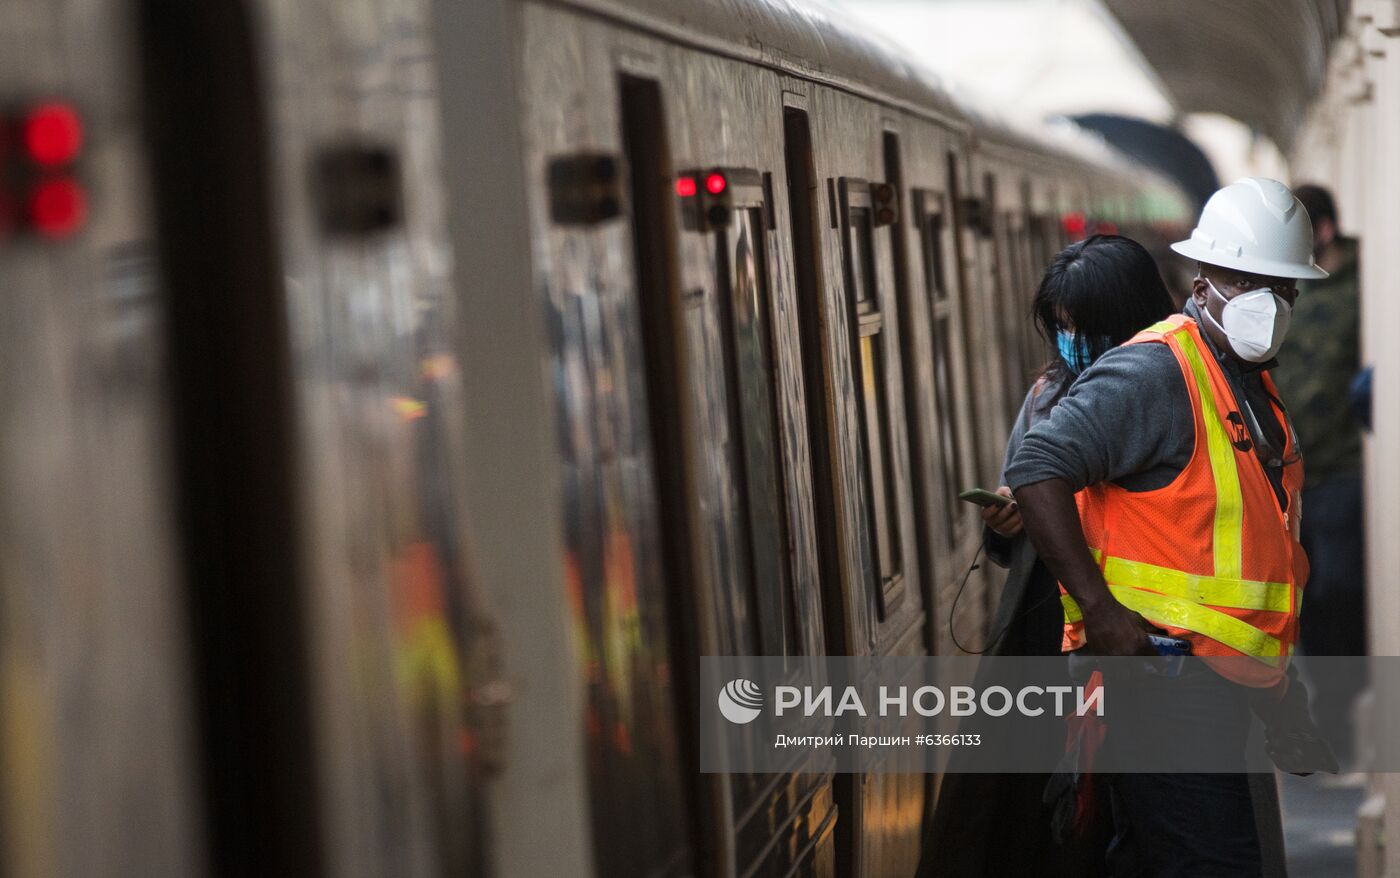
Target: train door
{"x": 98, "y": 744}
{"x": 969, "y": 227}
{"x": 991, "y": 354}
{"x": 882, "y": 604}
{"x": 874, "y": 607}
{"x": 756, "y": 547}
{"x": 609, "y": 287}
{"x": 685, "y": 377}
{"x": 956, "y": 536}
{"x": 745, "y": 259}
{"x": 248, "y": 601}
{"x": 918, "y": 366}
{"x": 646, "y": 147}
{"x": 603, "y": 228}
{"x": 340, "y": 639}
{"x": 974, "y": 226}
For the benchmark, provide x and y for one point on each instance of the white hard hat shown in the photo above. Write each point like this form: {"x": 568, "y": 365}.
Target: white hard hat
{"x": 1255, "y": 225}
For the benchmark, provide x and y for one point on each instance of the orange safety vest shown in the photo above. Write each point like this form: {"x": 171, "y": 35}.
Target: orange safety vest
{"x": 1210, "y": 557}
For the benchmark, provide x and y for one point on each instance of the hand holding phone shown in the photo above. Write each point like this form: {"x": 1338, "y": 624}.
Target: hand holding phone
{"x": 999, "y": 509}
{"x": 985, "y": 498}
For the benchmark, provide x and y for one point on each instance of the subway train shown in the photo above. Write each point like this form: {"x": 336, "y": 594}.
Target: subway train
{"x": 400, "y": 396}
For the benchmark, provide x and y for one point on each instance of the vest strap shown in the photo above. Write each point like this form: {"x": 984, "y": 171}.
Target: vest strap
{"x": 1229, "y": 503}
{"x": 1182, "y": 613}
{"x": 1218, "y": 626}
{"x": 1071, "y": 608}
{"x": 1217, "y": 591}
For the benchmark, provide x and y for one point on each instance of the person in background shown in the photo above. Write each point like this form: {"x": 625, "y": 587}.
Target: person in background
{"x": 1315, "y": 376}
{"x": 1095, "y": 295}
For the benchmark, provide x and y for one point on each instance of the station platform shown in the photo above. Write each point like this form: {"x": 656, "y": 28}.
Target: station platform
{"x": 1319, "y": 824}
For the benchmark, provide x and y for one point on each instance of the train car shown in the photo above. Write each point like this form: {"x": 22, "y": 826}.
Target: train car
{"x": 786, "y": 282}
{"x": 237, "y": 616}
{"x": 401, "y": 395}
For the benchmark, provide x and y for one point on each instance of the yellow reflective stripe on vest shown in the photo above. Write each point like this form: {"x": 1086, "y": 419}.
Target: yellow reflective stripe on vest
{"x": 1072, "y": 613}
{"x": 1161, "y": 326}
{"x": 1218, "y": 591}
{"x": 1214, "y": 624}
{"x": 1229, "y": 504}
{"x": 1240, "y": 594}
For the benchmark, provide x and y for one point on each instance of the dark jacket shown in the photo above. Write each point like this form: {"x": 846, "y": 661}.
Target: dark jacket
{"x": 1317, "y": 365}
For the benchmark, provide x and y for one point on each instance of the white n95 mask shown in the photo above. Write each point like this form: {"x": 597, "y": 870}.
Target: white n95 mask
{"x": 1255, "y": 322}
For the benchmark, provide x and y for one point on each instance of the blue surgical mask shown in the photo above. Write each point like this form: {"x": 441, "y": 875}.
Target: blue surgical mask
{"x": 1074, "y": 351}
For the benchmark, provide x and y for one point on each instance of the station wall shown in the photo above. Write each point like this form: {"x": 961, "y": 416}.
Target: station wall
{"x": 1349, "y": 141}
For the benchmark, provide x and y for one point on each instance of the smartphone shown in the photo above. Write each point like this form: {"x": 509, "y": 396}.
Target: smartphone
{"x": 983, "y": 498}
{"x": 1169, "y": 646}
{"x": 1174, "y": 649}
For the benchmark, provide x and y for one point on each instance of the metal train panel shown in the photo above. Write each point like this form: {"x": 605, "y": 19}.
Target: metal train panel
{"x": 817, "y": 44}
{"x": 97, "y": 745}
{"x": 394, "y": 636}
{"x": 625, "y": 616}
{"x": 539, "y": 818}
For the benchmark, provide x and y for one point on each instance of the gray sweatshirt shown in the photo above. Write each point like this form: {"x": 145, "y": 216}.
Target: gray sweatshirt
{"x": 1128, "y": 420}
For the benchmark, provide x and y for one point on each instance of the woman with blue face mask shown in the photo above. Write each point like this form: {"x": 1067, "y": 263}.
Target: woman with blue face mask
{"x": 1095, "y": 295}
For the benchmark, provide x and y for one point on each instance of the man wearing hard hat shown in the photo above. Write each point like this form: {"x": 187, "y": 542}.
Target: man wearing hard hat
{"x": 1163, "y": 492}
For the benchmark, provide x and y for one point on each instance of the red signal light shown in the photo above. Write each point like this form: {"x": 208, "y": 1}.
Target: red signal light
{"x": 58, "y": 207}
{"x": 53, "y": 134}
{"x": 685, "y": 186}
{"x": 715, "y": 183}
{"x": 1073, "y": 223}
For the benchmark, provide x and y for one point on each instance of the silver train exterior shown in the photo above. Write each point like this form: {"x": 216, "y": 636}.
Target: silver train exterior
{"x": 387, "y": 427}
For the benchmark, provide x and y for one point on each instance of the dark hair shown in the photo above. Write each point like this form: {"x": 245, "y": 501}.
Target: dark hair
{"x": 1107, "y": 287}
{"x": 1317, "y": 201}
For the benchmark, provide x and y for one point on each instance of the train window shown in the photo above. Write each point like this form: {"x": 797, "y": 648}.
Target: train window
{"x": 1042, "y": 239}
{"x": 930, "y": 217}
{"x": 1017, "y": 312}
{"x": 931, "y": 237}
{"x": 1008, "y": 318}
{"x": 653, "y": 243}
{"x": 742, "y": 254}
{"x": 882, "y": 511}
{"x": 802, "y": 186}
{"x": 862, "y": 258}
{"x": 1038, "y": 259}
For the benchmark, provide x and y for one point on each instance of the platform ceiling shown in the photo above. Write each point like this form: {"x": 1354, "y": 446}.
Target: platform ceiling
{"x": 1260, "y": 61}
